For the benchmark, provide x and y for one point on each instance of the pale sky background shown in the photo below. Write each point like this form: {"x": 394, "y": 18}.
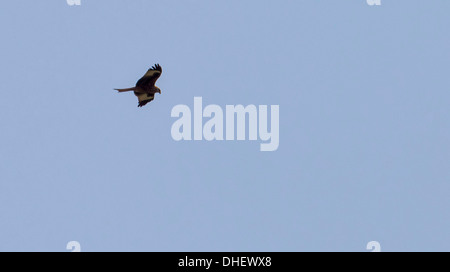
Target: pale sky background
{"x": 364, "y": 126}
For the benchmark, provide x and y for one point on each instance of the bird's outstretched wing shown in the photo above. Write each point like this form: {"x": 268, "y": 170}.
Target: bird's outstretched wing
{"x": 150, "y": 78}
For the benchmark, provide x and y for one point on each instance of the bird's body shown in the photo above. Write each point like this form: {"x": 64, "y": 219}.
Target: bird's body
{"x": 145, "y": 88}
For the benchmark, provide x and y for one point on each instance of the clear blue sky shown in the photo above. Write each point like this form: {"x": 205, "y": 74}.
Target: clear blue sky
{"x": 364, "y": 126}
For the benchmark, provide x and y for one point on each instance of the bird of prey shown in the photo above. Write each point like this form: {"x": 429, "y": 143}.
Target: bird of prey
{"x": 145, "y": 88}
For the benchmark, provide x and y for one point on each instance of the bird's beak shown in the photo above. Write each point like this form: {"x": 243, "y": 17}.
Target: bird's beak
{"x": 159, "y": 91}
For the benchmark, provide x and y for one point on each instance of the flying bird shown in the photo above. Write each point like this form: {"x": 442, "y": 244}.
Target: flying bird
{"x": 145, "y": 88}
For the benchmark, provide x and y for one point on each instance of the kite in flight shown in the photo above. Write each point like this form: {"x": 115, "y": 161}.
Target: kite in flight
{"x": 145, "y": 87}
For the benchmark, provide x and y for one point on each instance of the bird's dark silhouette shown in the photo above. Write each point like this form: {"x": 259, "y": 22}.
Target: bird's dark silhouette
{"x": 145, "y": 88}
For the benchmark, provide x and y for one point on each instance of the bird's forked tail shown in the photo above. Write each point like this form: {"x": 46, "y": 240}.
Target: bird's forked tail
{"x": 125, "y": 90}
